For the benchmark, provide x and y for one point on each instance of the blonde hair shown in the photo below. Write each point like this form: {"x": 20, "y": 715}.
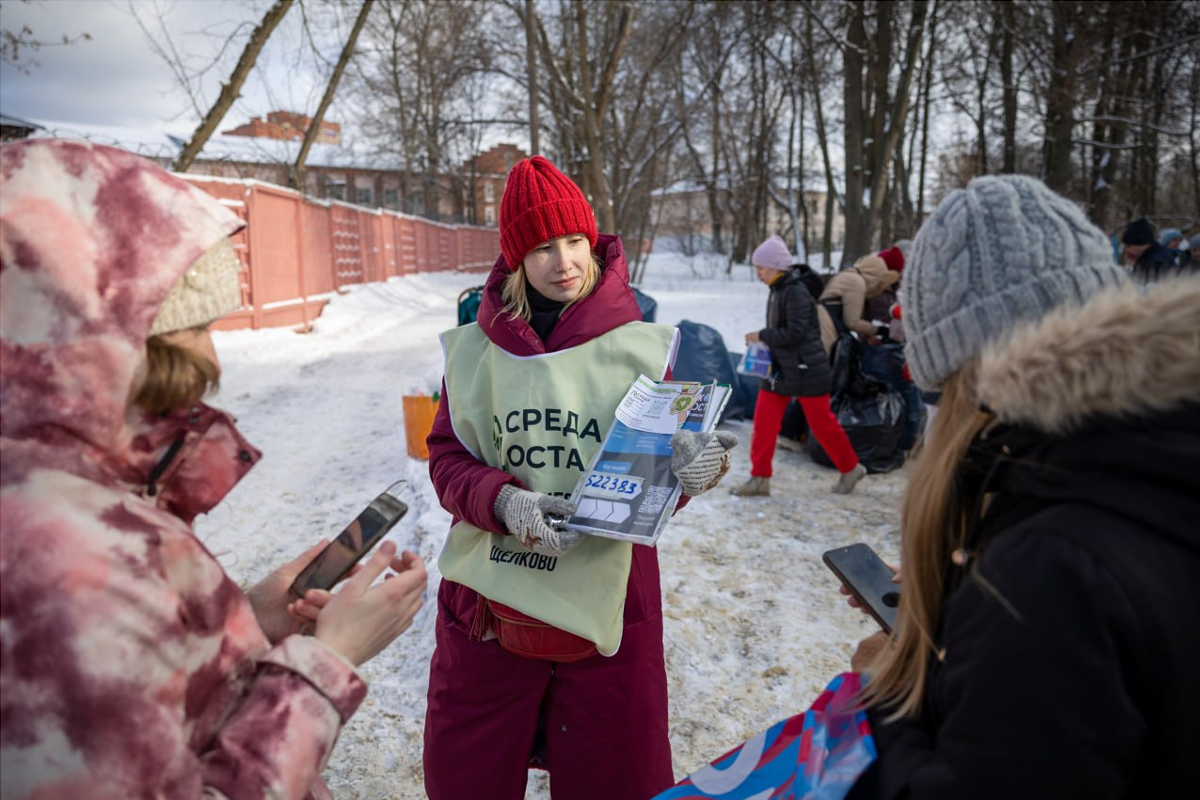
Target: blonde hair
{"x": 516, "y": 297}
{"x": 933, "y": 525}
{"x": 176, "y": 377}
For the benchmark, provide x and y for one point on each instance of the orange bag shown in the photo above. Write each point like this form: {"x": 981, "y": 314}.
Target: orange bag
{"x": 419, "y": 411}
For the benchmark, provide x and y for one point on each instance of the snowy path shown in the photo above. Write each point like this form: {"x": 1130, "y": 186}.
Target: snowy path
{"x": 754, "y": 624}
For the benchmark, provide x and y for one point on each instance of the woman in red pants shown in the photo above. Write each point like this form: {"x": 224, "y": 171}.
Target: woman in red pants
{"x": 799, "y": 368}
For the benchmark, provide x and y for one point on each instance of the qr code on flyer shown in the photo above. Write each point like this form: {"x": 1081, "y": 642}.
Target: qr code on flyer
{"x": 656, "y": 498}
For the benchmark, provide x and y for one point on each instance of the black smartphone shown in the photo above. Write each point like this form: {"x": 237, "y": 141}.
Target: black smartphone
{"x": 366, "y": 531}
{"x": 869, "y": 579}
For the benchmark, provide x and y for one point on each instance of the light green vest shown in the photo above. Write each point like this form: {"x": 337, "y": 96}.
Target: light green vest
{"x": 542, "y": 418}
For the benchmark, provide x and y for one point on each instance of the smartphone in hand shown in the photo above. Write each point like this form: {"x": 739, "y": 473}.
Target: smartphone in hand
{"x": 366, "y": 531}
{"x": 869, "y": 579}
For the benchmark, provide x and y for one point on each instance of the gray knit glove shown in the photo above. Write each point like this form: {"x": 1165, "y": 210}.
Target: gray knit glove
{"x": 524, "y": 514}
{"x": 701, "y": 459}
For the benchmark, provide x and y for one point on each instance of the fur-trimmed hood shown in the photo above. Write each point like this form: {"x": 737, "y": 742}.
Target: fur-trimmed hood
{"x": 1126, "y": 352}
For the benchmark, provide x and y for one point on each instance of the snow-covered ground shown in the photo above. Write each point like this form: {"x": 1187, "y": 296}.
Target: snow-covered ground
{"x": 754, "y": 624}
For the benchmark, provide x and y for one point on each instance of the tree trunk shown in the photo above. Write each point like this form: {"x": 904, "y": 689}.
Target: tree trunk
{"x": 823, "y": 141}
{"x": 231, "y": 89}
{"x": 310, "y": 135}
{"x": 933, "y": 42}
{"x": 1060, "y": 98}
{"x": 852, "y": 90}
{"x": 898, "y": 112}
{"x": 531, "y": 69}
{"x": 1006, "y": 22}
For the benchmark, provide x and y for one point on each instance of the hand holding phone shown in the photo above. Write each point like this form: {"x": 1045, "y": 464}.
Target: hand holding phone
{"x": 366, "y": 531}
{"x": 868, "y": 579}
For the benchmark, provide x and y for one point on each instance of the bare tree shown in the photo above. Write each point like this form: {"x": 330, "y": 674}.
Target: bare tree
{"x": 417, "y": 83}
{"x": 296, "y": 177}
{"x": 869, "y": 100}
{"x": 584, "y": 77}
{"x": 231, "y": 89}
{"x": 16, "y": 44}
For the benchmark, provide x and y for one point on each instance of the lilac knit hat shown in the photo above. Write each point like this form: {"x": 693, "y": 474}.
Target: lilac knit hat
{"x": 772, "y": 254}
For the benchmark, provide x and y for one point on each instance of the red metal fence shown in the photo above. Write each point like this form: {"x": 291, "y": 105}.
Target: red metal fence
{"x": 296, "y": 252}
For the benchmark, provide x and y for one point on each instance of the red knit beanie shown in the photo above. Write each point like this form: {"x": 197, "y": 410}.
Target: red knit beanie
{"x": 894, "y": 258}
{"x": 540, "y": 203}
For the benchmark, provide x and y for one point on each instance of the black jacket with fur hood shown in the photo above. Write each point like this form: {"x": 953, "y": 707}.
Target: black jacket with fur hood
{"x": 1072, "y": 641}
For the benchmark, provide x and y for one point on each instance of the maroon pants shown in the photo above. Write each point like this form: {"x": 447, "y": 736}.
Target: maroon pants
{"x": 822, "y": 424}
{"x": 603, "y": 721}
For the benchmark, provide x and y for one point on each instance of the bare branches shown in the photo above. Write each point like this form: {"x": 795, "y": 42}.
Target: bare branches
{"x": 231, "y": 89}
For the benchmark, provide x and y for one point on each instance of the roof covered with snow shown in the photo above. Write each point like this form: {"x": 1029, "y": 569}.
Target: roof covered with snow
{"x": 160, "y": 144}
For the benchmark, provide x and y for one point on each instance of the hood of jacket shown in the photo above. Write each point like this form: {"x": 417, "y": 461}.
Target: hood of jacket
{"x": 1100, "y": 404}
{"x": 91, "y": 241}
{"x": 610, "y": 305}
{"x": 875, "y": 273}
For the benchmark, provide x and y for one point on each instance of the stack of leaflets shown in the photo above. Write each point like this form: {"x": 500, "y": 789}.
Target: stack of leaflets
{"x": 629, "y": 491}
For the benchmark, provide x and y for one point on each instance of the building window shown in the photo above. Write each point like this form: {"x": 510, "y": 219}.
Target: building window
{"x": 489, "y": 192}
{"x": 508, "y": 161}
{"x": 489, "y": 215}
{"x": 391, "y": 198}
{"x": 335, "y": 191}
{"x": 362, "y": 196}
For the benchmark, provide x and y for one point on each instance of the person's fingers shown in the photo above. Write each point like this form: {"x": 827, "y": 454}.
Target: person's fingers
{"x": 406, "y": 561}
{"x": 318, "y": 598}
{"x": 305, "y": 612}
{"x": 372, "y": 569}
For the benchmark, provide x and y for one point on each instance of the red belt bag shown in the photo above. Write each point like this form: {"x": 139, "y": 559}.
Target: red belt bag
{"x": 527, "y": 637}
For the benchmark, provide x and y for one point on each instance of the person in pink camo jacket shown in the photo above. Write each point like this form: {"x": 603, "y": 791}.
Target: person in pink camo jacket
{"x": 131, "y": 665}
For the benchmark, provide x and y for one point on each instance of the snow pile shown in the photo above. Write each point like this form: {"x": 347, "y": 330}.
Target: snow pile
{"x": 754, "y": 626}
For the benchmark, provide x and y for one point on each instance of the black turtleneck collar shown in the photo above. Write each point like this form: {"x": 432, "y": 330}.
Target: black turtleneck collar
{"x": 543, "y": 311}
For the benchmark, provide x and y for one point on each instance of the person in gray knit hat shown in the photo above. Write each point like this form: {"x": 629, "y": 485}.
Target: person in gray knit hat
{"x": 1004, "y": 249}
{"x": 1048, "y": 533}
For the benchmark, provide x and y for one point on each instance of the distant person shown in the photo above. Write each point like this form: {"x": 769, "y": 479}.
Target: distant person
{"x": 800, "y": 369}
{"x": 1046, "y": 642}
{"x": 1171, "y": 238}
{"x": 845, "y": 296}
{"x": 549, "y": 641}
{"x": 1189, "y": 260}
{"x": 1150, "y": 260}
{"x": 133, "y": 665}
{"x": 877, "y": 309}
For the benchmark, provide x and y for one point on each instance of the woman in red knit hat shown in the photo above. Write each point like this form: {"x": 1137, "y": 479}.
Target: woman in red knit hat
{"x": 549, "y": 642}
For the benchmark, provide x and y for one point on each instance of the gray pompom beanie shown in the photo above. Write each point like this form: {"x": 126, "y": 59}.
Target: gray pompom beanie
{"x": 1004, "y": 249}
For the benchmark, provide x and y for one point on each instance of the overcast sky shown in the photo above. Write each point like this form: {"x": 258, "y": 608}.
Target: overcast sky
{"x": 117, "y": 79}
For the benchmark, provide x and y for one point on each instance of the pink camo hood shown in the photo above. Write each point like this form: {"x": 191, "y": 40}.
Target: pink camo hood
{"x": 91, "y": 241}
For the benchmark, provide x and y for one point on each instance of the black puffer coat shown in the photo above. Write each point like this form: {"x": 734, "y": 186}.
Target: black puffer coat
{"x": 801, "y": 367}
{"x": 1069, "y": 649}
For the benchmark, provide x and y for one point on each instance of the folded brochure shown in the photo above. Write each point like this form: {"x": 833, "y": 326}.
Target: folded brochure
{"x": 629, "y": 491}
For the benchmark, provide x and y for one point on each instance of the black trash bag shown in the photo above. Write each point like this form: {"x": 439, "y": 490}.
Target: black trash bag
{"x": 885, "y": 362}
{"x": 872, "y": 414}
{"x": 845, "y": 364}
{"x": 703, "y": 357}
{"x": 646, "y": 304}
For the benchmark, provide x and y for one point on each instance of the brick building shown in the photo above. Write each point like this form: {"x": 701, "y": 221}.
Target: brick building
{"x": 484, "y": 179}
{"x": 287, "y": 125}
